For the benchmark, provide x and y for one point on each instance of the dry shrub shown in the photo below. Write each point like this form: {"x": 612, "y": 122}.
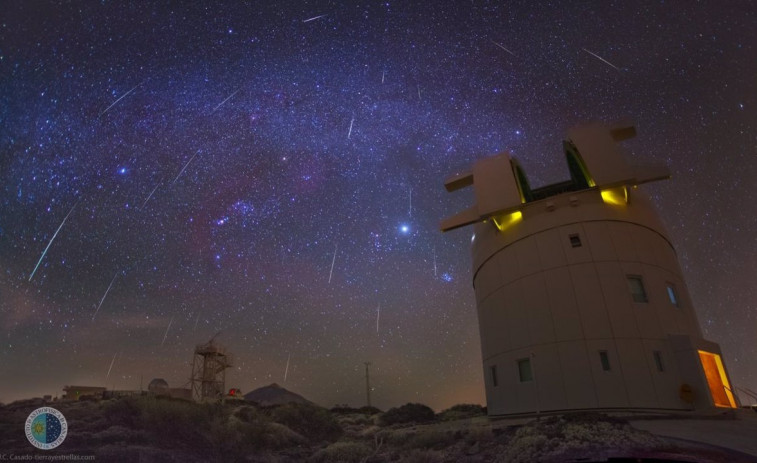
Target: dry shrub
{"x": 461, "y": 411}
{"x": 119, "y": 434}
{"x": 311, "y": 421}
{"x": 431, "y": 439}
{"x": 574, "y": 436}
{"x": 408, "y": 413}
{"x": 422, "y": 456}
{"x": 347, "y": 452}
{"x": 479, "y": 434}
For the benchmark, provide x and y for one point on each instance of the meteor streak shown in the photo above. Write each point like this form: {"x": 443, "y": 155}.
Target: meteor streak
{"x": 119, "y": 99}
{"x": 224, "y": 101}
{"x": 434, "y": 261}
{"x": 166, "y": 333}
{"x": 331, "y": 272}
{"x": 183, "y": 168}
{"x": 378, "y": 315}
{"x": 104, "y": 296}
{"x": 349, "y": 133}
{"x": 502, "y": 47}
{"x": 51, "y": 242}
{"x": 150, "y": 195}
{"x": 602, "y": 59}
{"x": 111, "y": 366}
{"x": 410, "y": 208}
{"x": 286, "y": 370}
{"x": 313, "y": 18}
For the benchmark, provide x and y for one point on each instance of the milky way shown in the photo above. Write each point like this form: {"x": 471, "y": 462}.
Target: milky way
{"x": 274, "y": 171}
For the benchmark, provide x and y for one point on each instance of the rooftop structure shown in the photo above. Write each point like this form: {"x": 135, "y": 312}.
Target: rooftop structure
{"x": 158, "y": 386}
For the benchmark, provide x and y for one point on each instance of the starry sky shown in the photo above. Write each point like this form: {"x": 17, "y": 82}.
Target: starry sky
{"x": 274, "y": 171}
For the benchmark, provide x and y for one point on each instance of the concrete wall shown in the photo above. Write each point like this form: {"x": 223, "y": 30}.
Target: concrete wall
{"x": 541, "y": 298}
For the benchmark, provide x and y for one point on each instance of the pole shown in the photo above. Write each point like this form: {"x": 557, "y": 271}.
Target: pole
{"x": 536, "y": 385}
{"x": 367, "y": 383}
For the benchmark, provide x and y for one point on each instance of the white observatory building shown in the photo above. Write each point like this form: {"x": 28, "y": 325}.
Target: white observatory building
{"x": 580, "y": 297}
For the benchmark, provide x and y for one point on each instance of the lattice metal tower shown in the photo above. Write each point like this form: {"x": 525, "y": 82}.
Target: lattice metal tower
{"x": 209, "y": 371}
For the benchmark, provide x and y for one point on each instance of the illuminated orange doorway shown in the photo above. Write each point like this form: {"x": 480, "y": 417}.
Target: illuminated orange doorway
{"x": 720, "y": 388}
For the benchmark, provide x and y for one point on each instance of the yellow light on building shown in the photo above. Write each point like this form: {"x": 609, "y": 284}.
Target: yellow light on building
{"x": 504, "y": 221}
{"x": 720, "y": 388}
{"x": 617, "y": 195}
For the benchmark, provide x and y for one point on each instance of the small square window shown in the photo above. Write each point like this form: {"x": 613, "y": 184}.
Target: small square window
{"x": 493, "y": 370}
{"x": 658, "y": 360}
{"x": 636, "y": 285}
{"x": 524, "y": 370}
{"x": 575, "y": 241}
{"x": 673, "y": 295}
{"x": 604, "y": 360}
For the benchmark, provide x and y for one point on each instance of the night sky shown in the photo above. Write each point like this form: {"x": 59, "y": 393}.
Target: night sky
{"x": 274, "y": 171}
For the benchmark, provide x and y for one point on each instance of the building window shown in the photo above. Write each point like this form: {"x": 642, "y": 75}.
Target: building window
{"x": 575, "y": 241}
{"x": 658, "y": 360}
{"x": 636, "y": 285}
{"x": 604, "y": 360}
{"x": 493, "y": 370}
{"x": 524, "y": 370}
{"x": 673, "y": 295}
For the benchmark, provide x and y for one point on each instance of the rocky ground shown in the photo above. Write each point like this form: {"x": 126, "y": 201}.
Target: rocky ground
{"x": 149, "y": 429}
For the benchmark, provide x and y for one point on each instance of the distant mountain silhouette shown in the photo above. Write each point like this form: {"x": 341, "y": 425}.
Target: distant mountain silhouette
{"x": 274, "y": 395}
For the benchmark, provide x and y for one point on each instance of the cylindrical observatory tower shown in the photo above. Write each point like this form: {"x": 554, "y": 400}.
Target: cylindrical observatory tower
{"x": 581, "y": 301}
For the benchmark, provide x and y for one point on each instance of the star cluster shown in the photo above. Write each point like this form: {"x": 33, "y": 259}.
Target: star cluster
{"x": 274, "y": 171}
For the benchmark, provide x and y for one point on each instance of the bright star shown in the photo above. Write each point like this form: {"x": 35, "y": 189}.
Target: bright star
{"x": 122, "y": 170}
{"x": 404, "y": 229}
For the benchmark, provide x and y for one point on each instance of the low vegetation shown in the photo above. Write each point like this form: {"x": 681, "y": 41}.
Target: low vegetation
{"x": 568, "y": 437}
{"x": 311, "y": 421}
{"x": 149, "y": 429}
{"x": 461, "y": 411}
{"x": 408, "y": 413}
{"x": 347, "y": 410}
